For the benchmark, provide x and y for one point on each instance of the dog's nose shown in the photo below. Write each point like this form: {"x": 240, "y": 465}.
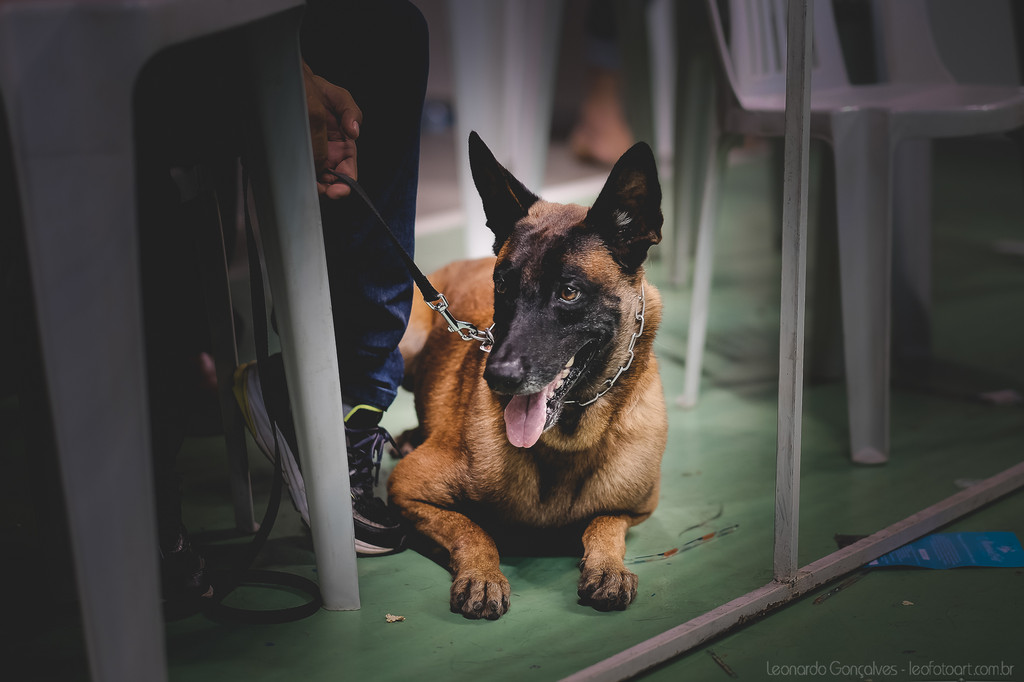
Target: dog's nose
{"x": 505, "y": 375}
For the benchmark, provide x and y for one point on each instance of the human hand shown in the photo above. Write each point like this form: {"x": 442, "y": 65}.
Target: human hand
{"x": 334, "y": 120}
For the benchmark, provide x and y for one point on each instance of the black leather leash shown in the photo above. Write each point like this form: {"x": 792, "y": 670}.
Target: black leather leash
{"x": 431, "y": 296}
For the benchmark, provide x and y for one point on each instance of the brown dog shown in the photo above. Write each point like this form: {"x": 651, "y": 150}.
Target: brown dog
{"x": 517, "y": 440}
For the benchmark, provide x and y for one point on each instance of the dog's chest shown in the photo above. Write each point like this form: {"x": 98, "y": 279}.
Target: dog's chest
{"x": 551, "y": 491}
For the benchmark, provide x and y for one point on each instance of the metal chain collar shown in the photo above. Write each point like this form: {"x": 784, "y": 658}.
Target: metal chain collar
{"x": 610, "y": 381}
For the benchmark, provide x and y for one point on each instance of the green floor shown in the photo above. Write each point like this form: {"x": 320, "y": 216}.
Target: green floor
{"x": 718, "y": 471}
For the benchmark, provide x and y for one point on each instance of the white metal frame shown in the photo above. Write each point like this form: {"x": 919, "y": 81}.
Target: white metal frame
{"x": 790, "y": 581}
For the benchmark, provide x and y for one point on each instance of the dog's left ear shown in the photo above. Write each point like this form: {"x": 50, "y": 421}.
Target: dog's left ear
{"x": 627, "y": 213}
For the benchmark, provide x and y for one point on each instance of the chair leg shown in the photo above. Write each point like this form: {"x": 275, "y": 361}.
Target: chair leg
{"x": 702, "y": 271}
{"x": 504, "y": 91}
{"x": 531, "y": 32}
{"x": 220, "y": 316}
{"x": 826, "y": 361}
{"x": 634, "y": 42}
{"x": 694, "y": 132}
{"x": 289, "y": 218}
{"x": 863, "y": 201}
{"x": 692, "y": 145}
{"x": 82, "y": 244}
{"x": 912, "y": 262}
{"x": 476, "y": 67}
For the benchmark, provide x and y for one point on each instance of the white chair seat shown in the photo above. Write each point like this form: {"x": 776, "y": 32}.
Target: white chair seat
{"x": 931, "y": 111}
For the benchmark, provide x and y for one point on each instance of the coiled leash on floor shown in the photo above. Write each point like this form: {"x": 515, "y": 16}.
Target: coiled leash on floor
{"x": 246, "y": 575}
{"x": 437, "y": 301}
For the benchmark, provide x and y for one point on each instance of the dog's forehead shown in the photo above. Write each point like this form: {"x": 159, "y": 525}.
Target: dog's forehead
{"x": 556, "y": 216}
{"x": 548, "y": 231}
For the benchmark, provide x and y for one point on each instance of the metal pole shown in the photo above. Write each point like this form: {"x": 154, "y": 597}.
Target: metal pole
{"x": 794, "y": 275}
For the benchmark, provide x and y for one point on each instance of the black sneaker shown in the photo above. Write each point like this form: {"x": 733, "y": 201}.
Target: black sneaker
{"x": 183, "y": 573}
{"x": 377, "y": 531}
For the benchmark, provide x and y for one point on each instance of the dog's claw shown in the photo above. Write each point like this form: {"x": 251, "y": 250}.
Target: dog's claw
{"x": 611, "y": 589}
{"x": 480, "y": 597}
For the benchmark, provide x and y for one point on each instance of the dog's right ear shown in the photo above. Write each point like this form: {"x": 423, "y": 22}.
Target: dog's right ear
{"x": 627, "y": 212}
{"x": 506, "y": 200}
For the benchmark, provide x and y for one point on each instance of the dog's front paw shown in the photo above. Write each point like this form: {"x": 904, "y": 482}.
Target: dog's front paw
{"x": 480, "y": 594}
{"x": 606, "y": 587}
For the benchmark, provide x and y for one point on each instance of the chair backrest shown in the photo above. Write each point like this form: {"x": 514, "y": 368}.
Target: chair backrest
{"x": 907, "y": 50}
{"x": 754, "y": 56}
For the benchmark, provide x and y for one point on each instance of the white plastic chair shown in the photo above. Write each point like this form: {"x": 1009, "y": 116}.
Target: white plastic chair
{"x": 864, "y": 124}
{"x": 67, "y": 74}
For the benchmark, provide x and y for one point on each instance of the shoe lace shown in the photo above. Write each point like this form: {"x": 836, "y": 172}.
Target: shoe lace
{"x": 365, "y": 451}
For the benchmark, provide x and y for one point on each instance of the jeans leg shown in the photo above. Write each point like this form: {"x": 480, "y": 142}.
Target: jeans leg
{"x": 376, "y": 49}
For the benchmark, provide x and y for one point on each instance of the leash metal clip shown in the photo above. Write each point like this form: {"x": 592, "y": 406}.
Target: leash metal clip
{"x": 467, "y": 331}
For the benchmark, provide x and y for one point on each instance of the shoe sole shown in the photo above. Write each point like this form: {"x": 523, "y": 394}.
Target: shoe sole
{"x": 366, "y": 549}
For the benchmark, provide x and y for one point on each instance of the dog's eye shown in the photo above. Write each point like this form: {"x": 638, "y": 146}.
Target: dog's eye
{"x": 569, "y": 293}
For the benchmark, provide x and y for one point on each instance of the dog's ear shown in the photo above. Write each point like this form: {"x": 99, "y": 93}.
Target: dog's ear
{"x": 627, "y": 213}
{"x": 506, "y": 200}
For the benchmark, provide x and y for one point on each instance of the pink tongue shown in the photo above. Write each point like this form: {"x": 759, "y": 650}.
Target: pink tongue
{"x": 525, "y": 417}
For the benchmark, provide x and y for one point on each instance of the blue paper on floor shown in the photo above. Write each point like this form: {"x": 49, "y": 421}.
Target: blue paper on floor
{"x": 954, "y": 550}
